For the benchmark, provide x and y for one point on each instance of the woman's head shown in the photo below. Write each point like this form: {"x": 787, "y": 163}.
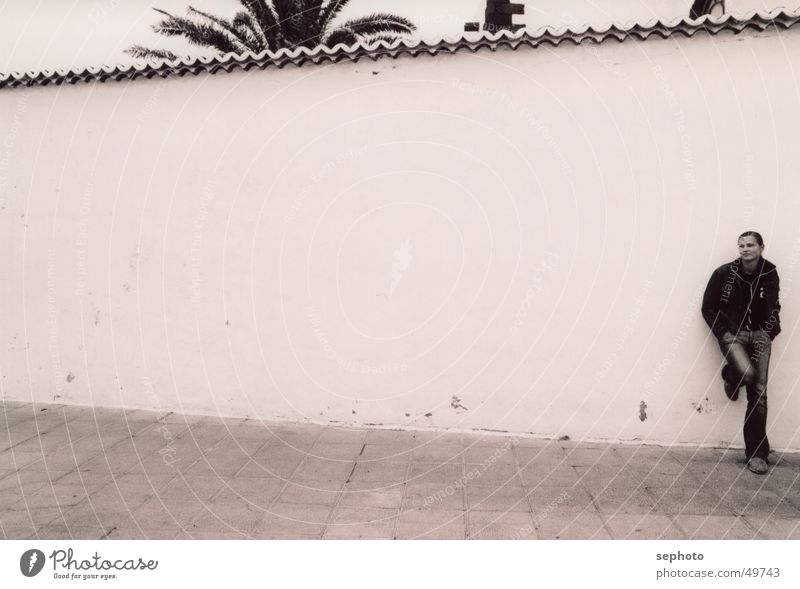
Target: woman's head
{"x": 751, "y": 244}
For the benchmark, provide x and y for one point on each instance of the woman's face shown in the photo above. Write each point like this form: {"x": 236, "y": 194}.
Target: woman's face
{"x": 749, "y": 249}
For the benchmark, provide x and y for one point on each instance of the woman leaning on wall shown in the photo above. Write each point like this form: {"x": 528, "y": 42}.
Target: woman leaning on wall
{"x": 741, "y": 307}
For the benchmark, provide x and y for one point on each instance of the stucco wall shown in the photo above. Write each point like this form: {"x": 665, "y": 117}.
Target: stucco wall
{"x": 513, "y": 241}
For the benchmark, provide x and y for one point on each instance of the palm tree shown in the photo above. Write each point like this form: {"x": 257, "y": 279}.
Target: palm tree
{"x": 273, "y": 25}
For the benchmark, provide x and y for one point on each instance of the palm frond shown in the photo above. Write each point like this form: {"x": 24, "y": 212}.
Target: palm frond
{"x": 275, "y": 24}
{"x": 139, "y": 52}
{"x": 267, "y": 22}
{"x": 291, "y": 18}
{"x": 252, "y": 36}
{"x": 197, "y": 33}
{"x": 223, "y": 24}
{"x": 388, "y": 37}
{"x": 375, "y": 24}
{"x": 243, "y": 22}
{"x": 329, "y": 12}
{"x": 340, "y": 35}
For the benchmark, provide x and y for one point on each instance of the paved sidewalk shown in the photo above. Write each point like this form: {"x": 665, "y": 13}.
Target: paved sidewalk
{"x": 72, "y": 472}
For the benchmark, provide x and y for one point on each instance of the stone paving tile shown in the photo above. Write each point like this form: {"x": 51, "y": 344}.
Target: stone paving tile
{"x": 586, "y": 457}
{"x": 24, "y": 518}
{"x": 431, "y": 472}
{"x": 717, "y": 527}
{"x": 324, "y": 469}
{"x": 775, "y": 528}
{"x": 160, "y": 511}
{"x": 400, "y": 452}
{"x": 417, "y": 524}
{"x": 498, "y": 474}
{"x": 571, "y": 526}
{"x": 762, "y": 502}
{"x": 62, "y": 532}
{"x": 535, "y": 475}
{"x": 101, "y": 473}
{"x": 86, "y": 515}
{"x": 278, "y": 469}
{"x": 642, "y": 527}
{"x": 261, "y": 492}
{"x": 685, "y": 478}
{"x": 133, "y": 533}
{"x": 307, "y": 495}
{"x": 385, "y": 472}
{"x": 438, "y": 453}
{"x": 335, "y": 451}
{"x": 510, "y": 497}
{"x": 363, "y": 523}
{"x": 689, "y": 501}
{"x": 229, "y": 516}
{"x": 18, "y": 533}
{"x": 492, "y": 525}
{"x": 371, "y": 495}
{"x": 11, "y": 460}
{"x": 490, "y": 455}
{"x": 547, "y": 458}
{"x": 433, "y": 497}
{"x": 603, "y": 475}
{"x": 195, "y": 535}
{"x": 619, "y": 500}
{"x": 292, "y": 519}
{"x": 62, "y": 496}
{"x": 570, "y": 499}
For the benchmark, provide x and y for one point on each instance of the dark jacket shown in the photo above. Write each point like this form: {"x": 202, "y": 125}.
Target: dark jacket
{"x": 731, "y": 295}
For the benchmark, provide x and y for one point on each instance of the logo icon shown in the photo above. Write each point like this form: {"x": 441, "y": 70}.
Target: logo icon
{"x": 31, "y": 562}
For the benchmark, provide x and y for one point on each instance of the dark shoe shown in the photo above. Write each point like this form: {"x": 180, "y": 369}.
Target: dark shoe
{"x": 731, "y": 391}
{"x": 757, "y": 465}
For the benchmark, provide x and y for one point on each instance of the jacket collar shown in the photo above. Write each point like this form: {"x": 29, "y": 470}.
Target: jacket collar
{"x": 764, "y": 268}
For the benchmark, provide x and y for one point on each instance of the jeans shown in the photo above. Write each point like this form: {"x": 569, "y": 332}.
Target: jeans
{"x": 747, "y": 354}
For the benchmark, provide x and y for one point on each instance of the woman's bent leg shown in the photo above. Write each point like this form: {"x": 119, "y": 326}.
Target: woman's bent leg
{"x": 742, "y": 371}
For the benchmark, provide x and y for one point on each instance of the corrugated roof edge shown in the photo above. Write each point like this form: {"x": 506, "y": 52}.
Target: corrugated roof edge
{"x": 554, "y": 36}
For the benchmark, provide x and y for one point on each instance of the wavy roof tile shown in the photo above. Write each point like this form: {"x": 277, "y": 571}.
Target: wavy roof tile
{"x": 760, "y": 21}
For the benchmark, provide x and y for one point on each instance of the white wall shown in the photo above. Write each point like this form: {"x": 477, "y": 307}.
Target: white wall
{"x": 225, "y": 244}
